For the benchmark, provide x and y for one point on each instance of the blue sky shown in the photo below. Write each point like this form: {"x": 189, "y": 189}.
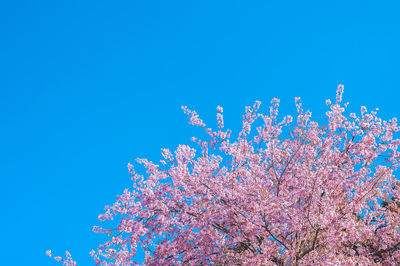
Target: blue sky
{"x": 88, "y": 86}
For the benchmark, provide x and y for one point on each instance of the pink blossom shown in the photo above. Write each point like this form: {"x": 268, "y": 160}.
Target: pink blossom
{"x": 287, "y": 193}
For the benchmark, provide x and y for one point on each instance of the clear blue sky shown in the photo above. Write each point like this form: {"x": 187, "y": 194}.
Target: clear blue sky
{"x": 87, "y": 86}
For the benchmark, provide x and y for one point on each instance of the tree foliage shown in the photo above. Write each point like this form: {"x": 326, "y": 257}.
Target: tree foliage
{"x": 287, "y": 193}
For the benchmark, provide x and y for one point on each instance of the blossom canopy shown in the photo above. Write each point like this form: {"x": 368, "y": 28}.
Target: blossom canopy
{"x": 292, "y": 191}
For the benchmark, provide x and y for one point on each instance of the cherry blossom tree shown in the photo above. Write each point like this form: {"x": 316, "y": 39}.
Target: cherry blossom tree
{"x": 285, "y": 193}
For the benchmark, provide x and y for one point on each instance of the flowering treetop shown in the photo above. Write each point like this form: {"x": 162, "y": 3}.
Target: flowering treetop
{"x": 287, "y": 193}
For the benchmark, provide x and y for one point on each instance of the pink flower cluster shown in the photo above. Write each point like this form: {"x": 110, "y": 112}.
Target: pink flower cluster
{"x": 303, "y": 193}
{"x": 68, "y": 261}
